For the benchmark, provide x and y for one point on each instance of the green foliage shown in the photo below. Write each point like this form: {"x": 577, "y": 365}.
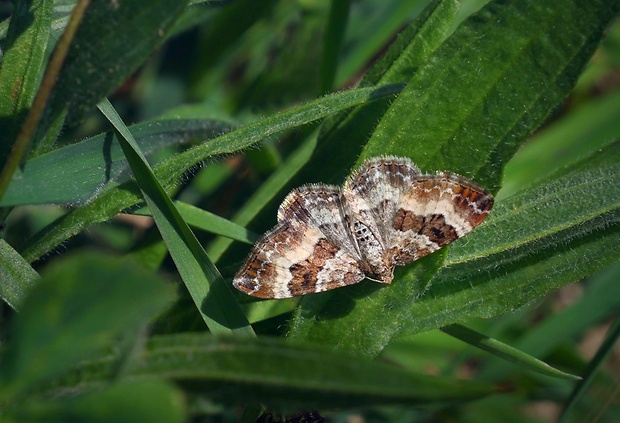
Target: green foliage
{"x": 464, "y": 87}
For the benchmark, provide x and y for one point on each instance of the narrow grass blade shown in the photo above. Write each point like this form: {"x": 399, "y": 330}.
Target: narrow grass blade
{"x": 212, "y": 296}
{"x": 371, "y": 33}
{"x": 504, "y": 351}
{"x": 209, "y": 222}
{"x": 332, "y": 42}
{"x": 566, "y": 142}
{"x": 266, "y": 193}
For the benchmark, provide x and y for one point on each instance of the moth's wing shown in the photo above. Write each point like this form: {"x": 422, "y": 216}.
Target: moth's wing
{"x": 374, "y": 192}
{"x": 319, "y": 206}
{"x": 434, "y": 211}
{"x": 308, "y": 251}
{"x": 294, "y": 259}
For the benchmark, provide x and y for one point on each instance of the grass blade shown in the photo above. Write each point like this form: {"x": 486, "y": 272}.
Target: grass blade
{"x": 209, "y": 222}
{"x": 504, "y": 351}
{"x": 212, "y": 296}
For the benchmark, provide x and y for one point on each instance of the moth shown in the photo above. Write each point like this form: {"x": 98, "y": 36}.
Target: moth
{"x": 386, "y": 214}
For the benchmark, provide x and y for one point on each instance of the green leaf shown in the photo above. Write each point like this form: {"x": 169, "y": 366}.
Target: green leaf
{"x": 274, "y": 372}
{"x": 362, "y": 318}
{"x": 466, "y": 109}
{"x": 81, "y": 305}
{"x": 113, "y": 39}
{"x": 202, "y": 219}
{"x": 504, "y": 351}
{"x": 22, "y": 59}
{"x": 145, "y": 401}
{"x": 17, "y": 276}
{"x": 211, "y": 294}
{"x": 119, "y": 197}
{"x": 77, "y": 173}
{"x": 415, "y": 44}
{"x": 255, "y": 132}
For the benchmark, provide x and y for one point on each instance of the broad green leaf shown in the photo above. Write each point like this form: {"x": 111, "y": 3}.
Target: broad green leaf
{"x": 113, "y": 39}
{"x": 17, "y": 277}
{"x": 77, "y": 173}
{"x": 119, "y": 197}
{"x": 467, "y": 109}
{"x": 210, "y": 293}
{"x": 144, "y": 401}
{"x": 22, "y": 60}
{"x": 275, "y": 372}
{"x": 356, "y": 318}
{"x": 504, "y": 351}
{"x": 82, "y": 304}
